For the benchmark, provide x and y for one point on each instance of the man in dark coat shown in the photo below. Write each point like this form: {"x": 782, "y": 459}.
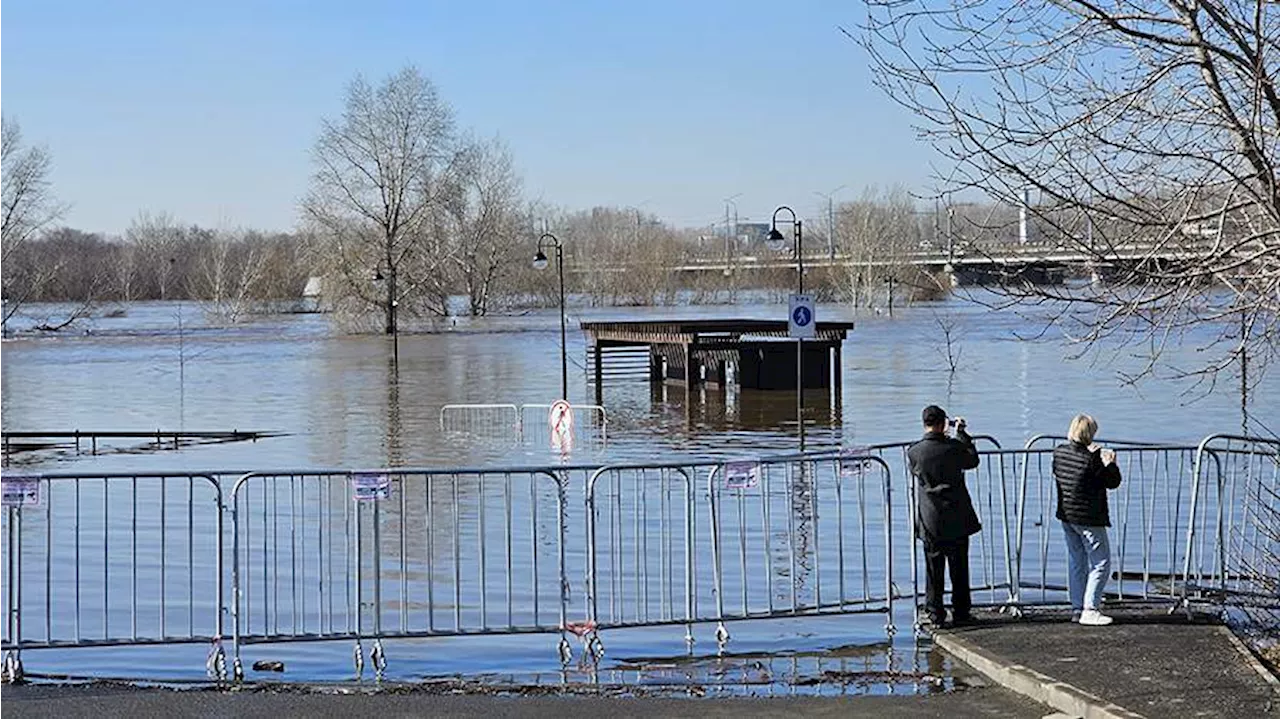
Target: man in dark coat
{"x": 944, "y": 512}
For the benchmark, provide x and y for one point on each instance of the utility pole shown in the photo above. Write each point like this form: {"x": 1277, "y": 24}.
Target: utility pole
{"x": 831, "y": 228}
{"x": 1023, "y": 208}
{"x": 831, "y": 220}
{"x": 730, "y": 230}
{"x": 951, "y": 238}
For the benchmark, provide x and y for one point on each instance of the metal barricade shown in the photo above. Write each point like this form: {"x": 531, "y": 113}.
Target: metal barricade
{"x": 492, "y": 422}
{"x": 992, "y": 486}
{"x": 113, "y": 560}
{"x": 364, "y": 556}
{"x": 642, "y": 537}
{"x": 1232, "y": 547}
{"x": 527, "y": 424}
{"x": 771, "y": 537}
{"x": 1149, "y": 512}
{"x": 591, "y": 424}
{"x": 771, "y": 512}
{"x": 397, "y": 553}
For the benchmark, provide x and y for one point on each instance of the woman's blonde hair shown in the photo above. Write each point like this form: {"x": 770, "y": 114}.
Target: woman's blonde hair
{"x": 1083, "y": 429}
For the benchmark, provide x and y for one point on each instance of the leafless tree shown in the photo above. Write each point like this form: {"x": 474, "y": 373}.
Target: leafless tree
{"x": 378, "y": 173}
{"x": 28, "y": 206}
{"x": 949, "y": 344}
{"x": 622, "y": 256}
{"x": 231, "y": 266}
{"x": 482, "y": 214}
{"x": 157, "y": 238}
{"x": 1146, "y": 132}
{"x": 878, "y": 232}
{"x": 125, "y": 269}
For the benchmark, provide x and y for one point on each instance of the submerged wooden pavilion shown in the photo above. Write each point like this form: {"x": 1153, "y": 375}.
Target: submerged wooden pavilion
{"x": 757, "y": 354}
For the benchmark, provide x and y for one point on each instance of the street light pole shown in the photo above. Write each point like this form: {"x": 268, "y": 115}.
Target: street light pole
{"x": 775, "y": 242}
{"x": 540, "y": 262}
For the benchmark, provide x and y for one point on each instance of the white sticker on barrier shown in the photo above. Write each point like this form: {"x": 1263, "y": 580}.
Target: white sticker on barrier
{"x": 19, "y": 491}
{"x": 741, "y": 475}
{"x": 370, "y": 486}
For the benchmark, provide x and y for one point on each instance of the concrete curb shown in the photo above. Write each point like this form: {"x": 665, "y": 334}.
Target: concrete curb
{"x": 1251, "y": 659}
{"x": 1030, "y": 683}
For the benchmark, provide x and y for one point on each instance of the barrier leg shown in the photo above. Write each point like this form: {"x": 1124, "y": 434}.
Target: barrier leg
{"x": 379, "y": 659}
{"x": 12, "y": 669}
{"x": 216, "y": 664}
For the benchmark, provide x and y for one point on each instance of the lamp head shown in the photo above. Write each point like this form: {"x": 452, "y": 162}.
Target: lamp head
{"x": 775, "y": 241}
{"x": 540, "y": 261}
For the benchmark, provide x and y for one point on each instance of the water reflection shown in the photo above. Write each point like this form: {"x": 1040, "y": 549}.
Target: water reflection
{"x": 395, "y": 451}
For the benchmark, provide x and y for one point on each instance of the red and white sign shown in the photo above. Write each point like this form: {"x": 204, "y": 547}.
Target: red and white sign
{"x": 561, "y": 421}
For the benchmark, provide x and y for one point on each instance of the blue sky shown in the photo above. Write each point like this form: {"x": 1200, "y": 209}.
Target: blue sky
{"x": 207, "y": 110}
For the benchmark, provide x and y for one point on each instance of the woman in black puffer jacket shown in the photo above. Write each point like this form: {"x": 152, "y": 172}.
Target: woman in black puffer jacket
{"x": 1084, "y": 473}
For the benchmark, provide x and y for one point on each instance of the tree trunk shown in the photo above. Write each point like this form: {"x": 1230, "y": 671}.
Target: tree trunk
{"x": 391, "y": 301}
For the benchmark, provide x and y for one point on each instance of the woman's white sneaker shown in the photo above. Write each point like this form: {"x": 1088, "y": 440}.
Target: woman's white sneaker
{"x": 1094, "y": 618}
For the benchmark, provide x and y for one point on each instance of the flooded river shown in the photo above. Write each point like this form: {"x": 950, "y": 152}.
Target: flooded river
{"x": 343, "y": 402}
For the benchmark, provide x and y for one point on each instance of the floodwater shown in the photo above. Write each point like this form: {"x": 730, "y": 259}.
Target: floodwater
{"x": 345, "y": 402}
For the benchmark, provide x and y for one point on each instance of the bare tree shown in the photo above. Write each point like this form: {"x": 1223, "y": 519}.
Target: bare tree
{"x": 157, "y": 239}
{"x": 1146, "y": 133}
{"x": 231, "y": 267}
{"x": 28, "y": 207}
{"x": 483, "y": 214}
{"x": 878, "y": 232}
{"x": 377, "y": 174}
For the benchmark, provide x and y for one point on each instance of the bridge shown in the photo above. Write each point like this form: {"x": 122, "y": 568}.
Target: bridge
{"x": 968, "y": 263}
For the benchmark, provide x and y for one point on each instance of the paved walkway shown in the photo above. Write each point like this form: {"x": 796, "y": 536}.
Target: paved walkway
{"x": 1147, "y": 663}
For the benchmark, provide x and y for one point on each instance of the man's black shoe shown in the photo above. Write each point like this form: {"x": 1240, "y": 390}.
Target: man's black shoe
{"x": 937, "y": 621}
{"x": 963, "y": 619}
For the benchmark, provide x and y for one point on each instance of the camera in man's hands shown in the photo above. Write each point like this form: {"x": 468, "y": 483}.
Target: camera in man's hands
{"x": 956, "y": 422}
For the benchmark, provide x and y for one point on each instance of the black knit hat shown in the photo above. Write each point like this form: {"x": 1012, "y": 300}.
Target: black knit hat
{"x": 933, "y": 415}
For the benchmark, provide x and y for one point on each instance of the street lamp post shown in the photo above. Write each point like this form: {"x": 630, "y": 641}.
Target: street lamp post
{"x": 540, "y": 262}
{"x": 776, "y": 241}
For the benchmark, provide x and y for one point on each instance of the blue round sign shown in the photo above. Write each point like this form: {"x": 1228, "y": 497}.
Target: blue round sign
{"x": 802, "y": 316}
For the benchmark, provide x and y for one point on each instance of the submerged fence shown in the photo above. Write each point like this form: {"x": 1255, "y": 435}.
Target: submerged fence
{"x": 365, "y": 556}
{"x": 521, "y": 424}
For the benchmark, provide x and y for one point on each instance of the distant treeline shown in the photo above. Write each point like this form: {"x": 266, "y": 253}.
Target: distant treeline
{"x": 613, "y": 256}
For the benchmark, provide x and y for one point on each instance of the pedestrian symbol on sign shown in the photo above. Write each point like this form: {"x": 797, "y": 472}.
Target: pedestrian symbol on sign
{"x": 802, "y": 316}
{"x": 801, "y": 320}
